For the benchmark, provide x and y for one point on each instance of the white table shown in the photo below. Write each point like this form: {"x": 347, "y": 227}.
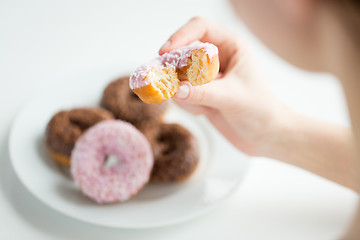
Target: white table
{"x": 43, "y": 39}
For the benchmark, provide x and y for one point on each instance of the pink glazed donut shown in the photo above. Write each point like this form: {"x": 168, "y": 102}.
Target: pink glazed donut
{"x": 159, "y": 79}
{"x": 120, "y": 181}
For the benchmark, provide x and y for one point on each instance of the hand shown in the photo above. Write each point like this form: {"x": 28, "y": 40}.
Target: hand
{"x": 237, "y": 103}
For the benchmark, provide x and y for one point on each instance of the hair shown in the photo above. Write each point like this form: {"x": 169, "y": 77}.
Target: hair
{"x": 350, "y": 15}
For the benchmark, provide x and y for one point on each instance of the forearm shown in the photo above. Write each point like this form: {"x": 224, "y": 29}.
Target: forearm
{"x": 323, "y": 148}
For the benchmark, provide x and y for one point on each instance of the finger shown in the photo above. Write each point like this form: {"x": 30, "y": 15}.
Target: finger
{"x": 198, "y": 28}
{"x": 220, "y": 75}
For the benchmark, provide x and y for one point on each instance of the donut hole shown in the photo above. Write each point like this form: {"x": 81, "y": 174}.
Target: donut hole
{"x": 79, "y": 124}
{"x": 167, "y": 144}
{"x": 168, "y": 150}
{"x": 111, "y": 161}
{"x": 84, "y": 118}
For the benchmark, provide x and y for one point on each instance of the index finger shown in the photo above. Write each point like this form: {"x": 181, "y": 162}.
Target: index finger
{"x": 198, "y": 28}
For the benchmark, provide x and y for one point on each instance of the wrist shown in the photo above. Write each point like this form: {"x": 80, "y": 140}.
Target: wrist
{"x": 283, "y": 125}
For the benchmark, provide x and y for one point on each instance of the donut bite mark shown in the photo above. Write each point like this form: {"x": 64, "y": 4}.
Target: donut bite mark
{"x": 164, "y": 84}
{"x": 200, "y": 69}
{"x": 159, "y": 80}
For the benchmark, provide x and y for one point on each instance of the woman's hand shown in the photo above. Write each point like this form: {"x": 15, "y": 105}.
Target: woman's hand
{"x": 240, "y": 106}
{"x": 237, "y": 103}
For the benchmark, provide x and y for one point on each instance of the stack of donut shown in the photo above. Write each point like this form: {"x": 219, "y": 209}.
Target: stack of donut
{"x": 125, "y": 127}
{"x": 145, "y": 147}
{"x": 175, "y": 149}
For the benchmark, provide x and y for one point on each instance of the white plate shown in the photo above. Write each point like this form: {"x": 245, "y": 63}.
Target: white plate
{"x": 220, "y": 171}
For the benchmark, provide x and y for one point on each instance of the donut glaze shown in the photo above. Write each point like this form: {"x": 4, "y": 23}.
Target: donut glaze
{"x": 176, "y": 154}
{"x": 65, "y": 127}
{"x": 175, "y": 59}
{"x": 120, "y": 181}
{"x": 125, "y": 105}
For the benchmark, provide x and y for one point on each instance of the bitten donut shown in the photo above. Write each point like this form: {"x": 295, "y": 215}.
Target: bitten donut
{"x": 176, "y": 154}
{"x": 125, "y": 105}
{"x": 65, "y": 127}
{"x": 159, "y": 80}
{"x": 121, "y": 180}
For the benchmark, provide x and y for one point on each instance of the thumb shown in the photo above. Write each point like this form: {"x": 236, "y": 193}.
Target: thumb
{"x": 205, "y": 95}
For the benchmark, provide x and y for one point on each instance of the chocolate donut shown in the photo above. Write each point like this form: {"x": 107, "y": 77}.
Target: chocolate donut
{"x": 119, "y": 99}
{"x": 176, "y": 154}
{"x": 65, "y": 127}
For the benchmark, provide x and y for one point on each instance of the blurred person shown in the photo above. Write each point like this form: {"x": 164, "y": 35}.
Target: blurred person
{"x": 315, "y": 35}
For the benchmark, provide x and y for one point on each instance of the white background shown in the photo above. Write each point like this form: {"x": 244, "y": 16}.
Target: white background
{"x": 41, "y": 40}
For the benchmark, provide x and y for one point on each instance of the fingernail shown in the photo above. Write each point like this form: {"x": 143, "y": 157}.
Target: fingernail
{"x": 166, "y": 44}
{"x": 183, "y": 92}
